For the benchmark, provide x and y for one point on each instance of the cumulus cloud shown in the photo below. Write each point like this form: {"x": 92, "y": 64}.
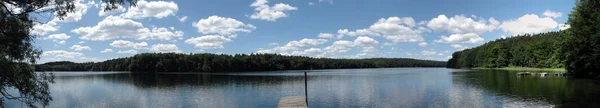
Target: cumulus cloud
{"x": 106, "y": 51}
{"x": 208, "y": 41}
{"x": 80, "y": 48}
{"x": 182, "y": 19}
{"x": 340, "y": 46}
{"x": 325, "y": 35}
{"x": 563, "y": 26}
{"x": 113, "y": 27}
{"x": 222, "y": 26}
{"x": 43, "y": 29}
{"x": 156, "y": 9}
{"x": 461, "y": 38}
{"x": 128, "y": 44}
{"x": 131, "y": 51}
{"x": 270, "y": 13}
{"x": 118, "y": 9}
{"x": 359, "y": 32}
{"x": 422, "y": 44}
{"x": 461, "y": 24}
{"x": 62, "y": 55}
{"x": 78, "y": 12}
{"x": 273, "y": 44}
{"x": 426, "y": 53}
{"x": 464, "y": 29}
{"x": 366, "y": 43}
{"x": 165, "y": 48}
{"x": 552, "y": 14}
{"x": 59, "y": 38}
{"x": 529, "y": 23}
{"x": 398, "y": 29}
{"x": 295, "y": 45}
{"x": 458, "y": 46}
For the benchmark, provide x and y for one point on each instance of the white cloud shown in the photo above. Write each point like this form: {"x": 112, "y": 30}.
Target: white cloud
{"x": 313, "y": 51}
{"x": 62, "y": 55}
{"x": 458, "y": 46}
{"x": 460, "y": 24}
{"x": 117, "y": 10}
{"x": 359, "y": 32}
{"x": 106, "y": 51}
{"x": 426, "y": 53}
{"x": 422, "y": 44}
{"x": 328, "y": 1}
{"x": 325, "y": 35}
{"x": 81, "y": 42}
{"x": 58, "y": 38}
{"x": 552, "y": 14}
{"x": 503, "y": 37}
{"x": 80, "y": 48}
{"x": 311, "y": 3}
{"x": 270, "y": 13}
{"x": 294, "y": 46}
{"x": 273, "y": 44}
{"x": 113, "y": 27}
{"x": 529, "y": 23}
{"x": 43, "y": 29}
{"x": 131, "y": 51}
{"x": 366, "y": 43}
{"x": 460, "y": 38}
{"x": 182, "y": 19}
{"x": 165, "y": 48}
{"x": 222, "y": 26}
{"x": 208, "y": 41}
{"x": 157, "y": 9}
{"x": 129, "y": 44}
{"x": 563, "y": 26}
{"x": 78, "y": 12}
{"x": 340, "y": 46}
{"x": 397, "y": 29}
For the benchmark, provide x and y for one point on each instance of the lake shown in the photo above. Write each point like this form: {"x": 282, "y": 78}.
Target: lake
{"x": 381, "y": 87}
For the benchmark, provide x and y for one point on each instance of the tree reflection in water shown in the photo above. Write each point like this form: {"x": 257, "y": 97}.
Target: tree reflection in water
{"x": 31, "y": 87}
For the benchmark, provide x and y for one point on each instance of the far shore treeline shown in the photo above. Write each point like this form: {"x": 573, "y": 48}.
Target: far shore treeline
{"x": 537, "y": 50}
{"x": 177, "y": 62}
{"x": 577, "y": 49}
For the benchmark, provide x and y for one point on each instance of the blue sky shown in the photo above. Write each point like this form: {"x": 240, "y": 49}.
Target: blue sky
{"x": 422, "y": 29}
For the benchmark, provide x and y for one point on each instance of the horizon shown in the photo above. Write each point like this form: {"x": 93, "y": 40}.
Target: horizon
{"x": 423, "y": 30}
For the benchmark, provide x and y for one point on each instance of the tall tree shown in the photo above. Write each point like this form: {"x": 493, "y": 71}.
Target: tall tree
{"x": 582, "y": 48}
{"x": 17, "y": 53}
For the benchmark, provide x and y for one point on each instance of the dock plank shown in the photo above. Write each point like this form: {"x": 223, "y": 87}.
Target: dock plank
{"x": 292, "y": 102}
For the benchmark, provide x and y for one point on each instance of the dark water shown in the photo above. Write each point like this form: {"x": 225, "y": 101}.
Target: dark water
{"x": 388, "y": 87}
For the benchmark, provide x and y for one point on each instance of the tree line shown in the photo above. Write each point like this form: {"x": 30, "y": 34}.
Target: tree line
{"x": 577, "y": 49}
{"x": 529, "y": 50}
{"x": 177, "y": 62}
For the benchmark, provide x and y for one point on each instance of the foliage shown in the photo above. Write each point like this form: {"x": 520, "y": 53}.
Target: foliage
{"x": 175, "y": 62}
{"x": 537, "y": 50}
{"x": 17, "y": 52}
{"x": 582, "y": 48}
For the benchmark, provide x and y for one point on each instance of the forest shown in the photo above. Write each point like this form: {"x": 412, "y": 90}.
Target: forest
{"x": 530, "y": 50}
{"x": 177, "y": 62}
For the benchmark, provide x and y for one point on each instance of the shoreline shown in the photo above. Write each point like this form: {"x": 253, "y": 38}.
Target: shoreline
{"x": 524, "y": 69}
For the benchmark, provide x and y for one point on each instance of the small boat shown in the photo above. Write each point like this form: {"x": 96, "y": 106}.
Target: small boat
{"x": 560, "y": 74}
{"x": 524, "y": 73}
{"x": 543, "y": 74}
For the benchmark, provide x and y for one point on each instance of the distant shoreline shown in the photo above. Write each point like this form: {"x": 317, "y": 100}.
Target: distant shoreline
{"x": 524, "y": 69}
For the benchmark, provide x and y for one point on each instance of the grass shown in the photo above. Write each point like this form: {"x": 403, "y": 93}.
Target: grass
{"x": 527, "y": 69}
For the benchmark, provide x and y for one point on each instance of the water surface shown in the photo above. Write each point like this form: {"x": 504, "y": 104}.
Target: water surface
{"x": 382, "y": 87}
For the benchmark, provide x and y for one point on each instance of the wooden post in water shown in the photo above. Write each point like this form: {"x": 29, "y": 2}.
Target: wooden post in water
{"x": 306, "y": 88}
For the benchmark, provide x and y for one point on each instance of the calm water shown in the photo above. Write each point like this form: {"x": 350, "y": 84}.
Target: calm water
{"x": 386, "y": 87}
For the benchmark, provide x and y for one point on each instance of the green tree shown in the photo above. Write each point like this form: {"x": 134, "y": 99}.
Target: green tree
{"x": 582, "y": 48}
{"x": 17, "y": 53}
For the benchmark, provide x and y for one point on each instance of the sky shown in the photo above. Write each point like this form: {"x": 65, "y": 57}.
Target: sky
{"x": 421, "y": 29}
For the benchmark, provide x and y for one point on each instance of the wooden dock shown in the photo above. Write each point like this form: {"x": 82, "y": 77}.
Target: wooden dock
{"x": 292, "y": 102}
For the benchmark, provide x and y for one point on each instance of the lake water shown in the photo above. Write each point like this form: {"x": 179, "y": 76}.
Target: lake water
{"x": 382, "y": 87}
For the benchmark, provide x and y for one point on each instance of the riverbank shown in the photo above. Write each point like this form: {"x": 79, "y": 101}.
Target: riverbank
{"x": 527, "y": 69}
